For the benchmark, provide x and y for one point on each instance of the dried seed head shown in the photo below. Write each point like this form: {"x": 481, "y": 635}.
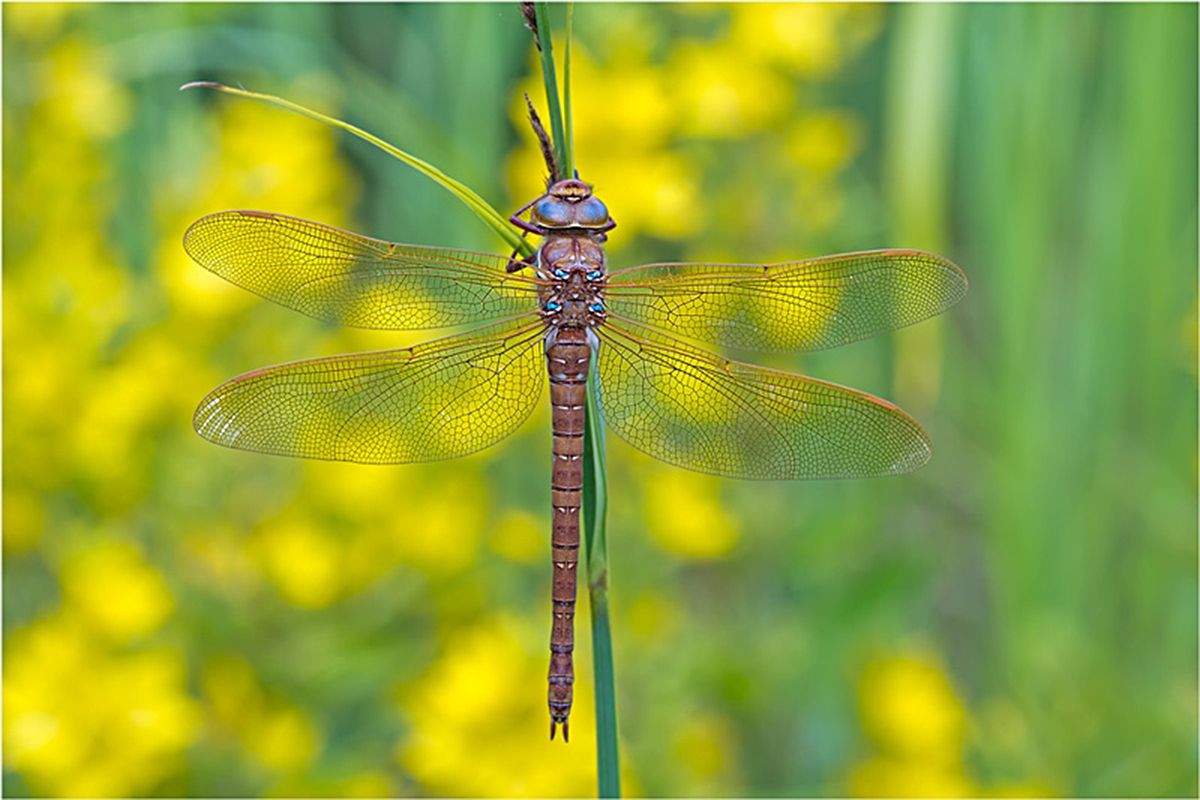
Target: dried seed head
{"x": 530, "y": 15}
{"x": 544, "y": 142}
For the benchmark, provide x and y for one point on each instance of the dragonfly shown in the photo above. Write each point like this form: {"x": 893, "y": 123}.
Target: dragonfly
{"x": 647, "y": 332}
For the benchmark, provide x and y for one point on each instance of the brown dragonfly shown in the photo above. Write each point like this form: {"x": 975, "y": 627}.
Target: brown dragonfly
{"x": 548, "y": 318}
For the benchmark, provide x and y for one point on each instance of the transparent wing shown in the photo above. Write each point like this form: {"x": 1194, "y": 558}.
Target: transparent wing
{"x": 354, "y": 280}
{"x": 702, "y": 412}
{"x": 799, "y": 305}
{"x": 437, "y": 400}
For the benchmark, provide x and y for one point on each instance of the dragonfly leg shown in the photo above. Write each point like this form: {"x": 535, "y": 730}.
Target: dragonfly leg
{"x": 517, "y": 264}
{"x": 528, "y": 227}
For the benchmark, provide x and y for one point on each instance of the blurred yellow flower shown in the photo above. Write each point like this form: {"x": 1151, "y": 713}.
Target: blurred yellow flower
{"x": 231, "y": 691}
{"x": 645, "y": 120}
{"x": 684, "y": 513}
{"x": 718, "y": 93}
{"x": 432, "y": 524}
{"x": 885, "y": 776}
{"x": 128, "y": 399}
{"x": 285, "y": 740}
{"x": 914, "y": 716}
{"x": 46, "y": 380}
{"x": 280, "y": 737}
{"x": 438, "y": 527}
{"x": 114, "y": 589}
{"x": 480, "y": 726}
{"x": 66, "y": 293}
{"x": 84, "y": 93}
{"x": 301, "y": 559}
{"x": 80, "y": 721}
{"x": 520, "y": 536}
{"x": 36, "y": 21}
{"x": 352, "y": 491}
{"x": 655, "y": 192}
{"x": 813, "y": 39}
{"x": 823, "y": 141}
{"x": 910, "y": 708}
{"x": 366, "y": 784}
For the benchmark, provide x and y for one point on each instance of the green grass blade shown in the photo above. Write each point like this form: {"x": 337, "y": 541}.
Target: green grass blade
{"x": 557, "y": 130}
{"x": 568, "y": 119}
{"x": 482, "y": 209}
{"x": 595, "y": 512}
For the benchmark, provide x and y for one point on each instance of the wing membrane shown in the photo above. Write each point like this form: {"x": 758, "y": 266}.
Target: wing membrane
{"x": 354, "y": 280}
{"x": 798, "y": 305}
{"x": 439, "y": 400}
{"x": 696, "y": 410}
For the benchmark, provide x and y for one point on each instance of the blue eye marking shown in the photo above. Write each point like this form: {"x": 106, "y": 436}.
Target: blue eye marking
{"x": 593, "y": 275}
{"x": 553, "y": 306}
{"x": 560, "y": 273}
{"x": 596, "y": 308}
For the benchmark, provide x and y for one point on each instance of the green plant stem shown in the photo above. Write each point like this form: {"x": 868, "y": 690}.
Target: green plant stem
{"x": 595, "y": 511}
{"x": 557, "y": 130}
{"x": 490, "y": 216}
{"x": 568, "y": 121}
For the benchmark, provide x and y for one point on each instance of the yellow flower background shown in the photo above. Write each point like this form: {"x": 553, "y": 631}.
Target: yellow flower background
{"x": 1019, "y": 618}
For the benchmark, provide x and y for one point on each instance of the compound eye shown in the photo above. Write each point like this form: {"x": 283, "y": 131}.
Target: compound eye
{"x": 551, "y": 212}
{"x": 591, "y": 213}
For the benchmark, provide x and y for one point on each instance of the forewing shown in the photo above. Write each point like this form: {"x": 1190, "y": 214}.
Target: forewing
{"x": 354, "y": 280}
{"x": 798, "y": 305}
{"x": 438, "y": 400}
{"x": 696, "y": 410}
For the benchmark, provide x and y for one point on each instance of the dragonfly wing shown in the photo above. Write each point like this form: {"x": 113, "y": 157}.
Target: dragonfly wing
{"x": 696, "y": 410}
{"x": 438, "y": 400}
{"x": 354, "y": 280}
{"x": 798, "y": 305}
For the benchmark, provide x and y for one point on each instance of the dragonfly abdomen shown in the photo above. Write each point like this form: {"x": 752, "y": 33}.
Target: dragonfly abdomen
{"x": 567, "y": 358}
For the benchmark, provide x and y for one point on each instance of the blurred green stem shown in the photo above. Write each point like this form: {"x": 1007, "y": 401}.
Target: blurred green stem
{"x": 568, "y": 122}
{"x": 557, "y": 129}
{"x": 595, "y": 476}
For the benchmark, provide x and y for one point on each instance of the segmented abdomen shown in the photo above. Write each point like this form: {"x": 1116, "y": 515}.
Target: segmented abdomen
{"x": 568, "y": 361}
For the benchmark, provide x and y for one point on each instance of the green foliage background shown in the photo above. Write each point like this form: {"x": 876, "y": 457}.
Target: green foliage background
{"x": 1018, "y": 617}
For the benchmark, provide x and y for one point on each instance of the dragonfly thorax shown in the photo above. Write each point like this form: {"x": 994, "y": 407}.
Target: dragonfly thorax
{"x": 573, "y": 268}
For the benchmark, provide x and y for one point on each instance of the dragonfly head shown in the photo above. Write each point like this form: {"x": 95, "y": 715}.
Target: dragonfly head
{"x": 572, "y": 190}
{"x": 571, "y": 204}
